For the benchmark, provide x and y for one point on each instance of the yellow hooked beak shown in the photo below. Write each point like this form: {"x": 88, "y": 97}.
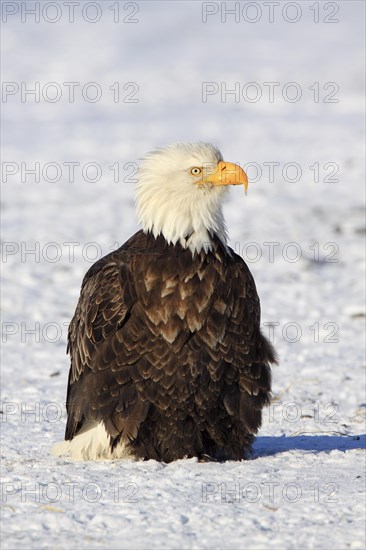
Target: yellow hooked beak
{"x": 227, "y": 173}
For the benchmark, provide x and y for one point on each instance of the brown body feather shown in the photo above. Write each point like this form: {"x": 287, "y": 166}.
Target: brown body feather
{"x": 166, "y": 350}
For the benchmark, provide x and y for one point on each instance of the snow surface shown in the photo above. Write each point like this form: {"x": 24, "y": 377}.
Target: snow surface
{"x": 304, "y": 486}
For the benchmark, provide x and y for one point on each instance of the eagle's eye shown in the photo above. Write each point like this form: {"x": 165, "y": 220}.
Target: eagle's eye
{"x": 195, "y": 171}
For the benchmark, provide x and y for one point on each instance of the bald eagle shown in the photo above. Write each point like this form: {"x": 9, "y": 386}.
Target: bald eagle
{"x": 167, "y": 357}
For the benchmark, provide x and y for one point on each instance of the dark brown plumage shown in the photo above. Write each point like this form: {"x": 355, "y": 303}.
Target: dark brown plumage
{"x": 166, "y": 351}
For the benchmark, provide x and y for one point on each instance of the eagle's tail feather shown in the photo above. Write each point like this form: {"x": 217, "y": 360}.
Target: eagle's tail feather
{"x": 91, "y": 443}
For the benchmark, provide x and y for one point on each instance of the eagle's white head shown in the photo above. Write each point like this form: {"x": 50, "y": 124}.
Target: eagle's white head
{"x": 180, "y": 193}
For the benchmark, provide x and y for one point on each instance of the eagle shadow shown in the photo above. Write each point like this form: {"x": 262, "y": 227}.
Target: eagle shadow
{"x": 269, "y": 446}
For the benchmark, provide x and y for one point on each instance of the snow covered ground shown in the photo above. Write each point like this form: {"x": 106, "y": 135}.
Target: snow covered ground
{"x": 162, "y": 72}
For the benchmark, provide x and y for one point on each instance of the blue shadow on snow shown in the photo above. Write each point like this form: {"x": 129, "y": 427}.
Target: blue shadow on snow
{"x": 267, "y": 446}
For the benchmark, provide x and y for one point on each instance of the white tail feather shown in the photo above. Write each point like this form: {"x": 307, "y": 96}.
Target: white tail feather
{"x": 92, "y": 443}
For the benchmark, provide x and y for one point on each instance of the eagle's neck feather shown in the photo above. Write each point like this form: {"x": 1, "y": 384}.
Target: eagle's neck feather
{"x": 192, "y": 220}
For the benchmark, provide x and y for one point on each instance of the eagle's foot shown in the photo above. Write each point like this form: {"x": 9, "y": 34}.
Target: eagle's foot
{"x": 206, "y": 458}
